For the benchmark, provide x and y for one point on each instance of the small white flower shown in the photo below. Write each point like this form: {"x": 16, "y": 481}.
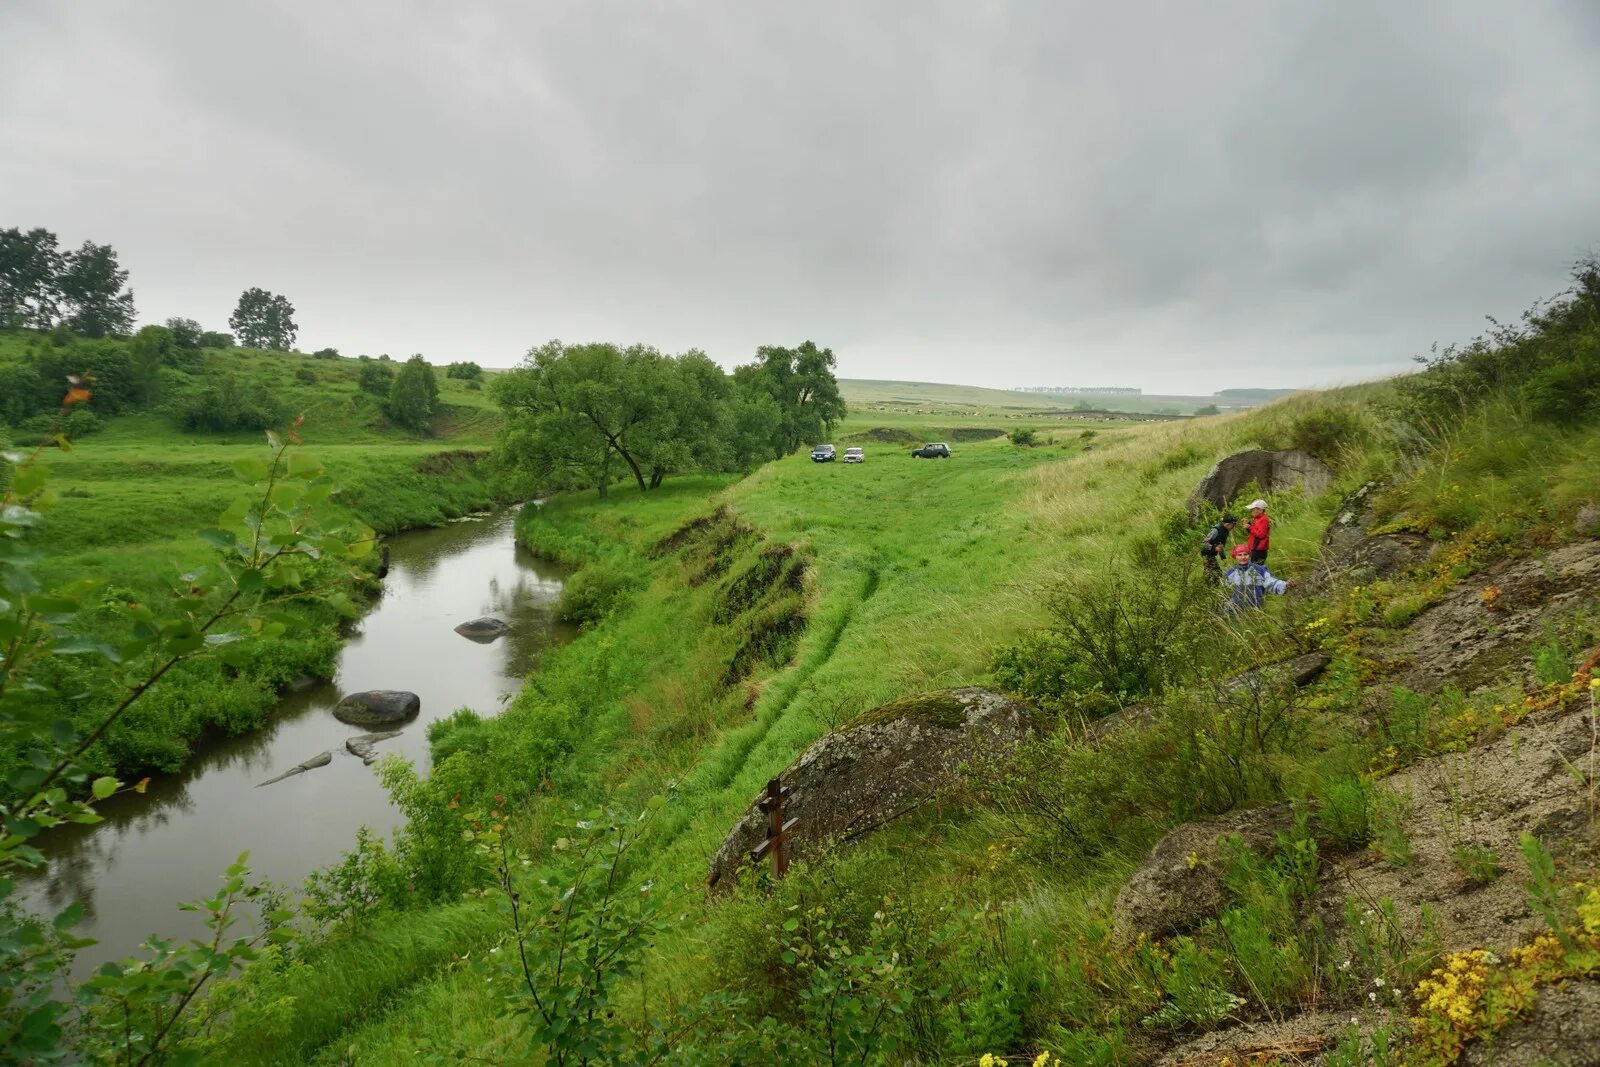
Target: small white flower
{"x": 1378, "y": 982}
{"x": 1345, "y": 966}
{"x": 1372, "y": 997}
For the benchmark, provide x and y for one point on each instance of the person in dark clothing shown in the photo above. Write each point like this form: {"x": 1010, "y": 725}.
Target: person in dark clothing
{"x": 1215, "y": 543}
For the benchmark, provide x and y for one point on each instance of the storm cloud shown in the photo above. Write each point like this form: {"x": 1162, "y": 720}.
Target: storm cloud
{"x": 1177, "y": 196}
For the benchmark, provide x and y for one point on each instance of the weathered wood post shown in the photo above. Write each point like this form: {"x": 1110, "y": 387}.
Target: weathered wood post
{"x": 777, "y": 843}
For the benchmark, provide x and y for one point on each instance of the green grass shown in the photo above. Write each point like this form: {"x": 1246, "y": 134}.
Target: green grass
{"x": 865, "y": 394}
{"x": 132, "y": 497}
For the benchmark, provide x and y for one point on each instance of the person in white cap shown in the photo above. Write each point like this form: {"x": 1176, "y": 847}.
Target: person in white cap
{"x": 1260, "y": 529}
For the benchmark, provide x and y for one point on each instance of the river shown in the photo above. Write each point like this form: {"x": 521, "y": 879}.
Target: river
{"x": 172, "y": 843}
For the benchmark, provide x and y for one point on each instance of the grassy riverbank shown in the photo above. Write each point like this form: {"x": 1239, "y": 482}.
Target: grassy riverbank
{"x": 132, "y": 496}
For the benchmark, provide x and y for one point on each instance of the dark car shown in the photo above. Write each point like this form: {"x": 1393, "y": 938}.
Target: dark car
{"x": 822, "y": 454}
{"x": 936, "y": 450}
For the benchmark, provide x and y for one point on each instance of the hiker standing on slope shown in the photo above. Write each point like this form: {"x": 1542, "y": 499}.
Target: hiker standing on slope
{"x": 1213, "y": 544}
{"x": 1260, "y": 530}
{"x": 1250, "y": 583}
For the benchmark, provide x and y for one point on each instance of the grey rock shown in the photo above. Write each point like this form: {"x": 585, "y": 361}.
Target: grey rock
{"x": 889, "y": 762}
{"x": 1587, "y": 521}
{"x": 377, "y": 707}
{"x": 321, "y": 759}
{"x": 485, "y": 629}
{"x": 364, "y": 745}
{"x": 1179, "y": 885}
{"x": 1269, "y": 471}
{"x": 1563, "y": 1030}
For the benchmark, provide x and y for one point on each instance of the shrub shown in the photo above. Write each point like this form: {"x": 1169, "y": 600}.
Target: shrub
{"x": 1344, "y": 811}
{"x": 591, "y": 594}
{"x": 325, "y": 353}
{"x": 306, "y": 375}
{"x": 376, "y": 377}
{"x": 80, "y": 422}
{"x": 225, "y": 405}
{"x": 466, "y": 371}
{"x": 216, "y": 339}
{"x": 1326, "y": 433}
{"x": 1022, "y": 438}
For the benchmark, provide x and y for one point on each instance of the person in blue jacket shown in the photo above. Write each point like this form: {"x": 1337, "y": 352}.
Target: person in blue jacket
{"x": 1249, "y": 582}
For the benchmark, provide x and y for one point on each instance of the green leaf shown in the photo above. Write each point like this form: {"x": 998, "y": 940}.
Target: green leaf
{"x": 221, "y": 539}
{"x": 273, "y": 442}
{"x": 249, "y": 469}
{"x": 69, "y": 916}
{"x": 63, "y": 442}
{"x": 304, "y": 465}
{"x": 104, "y": 787}
{"x": 27, "y": 481}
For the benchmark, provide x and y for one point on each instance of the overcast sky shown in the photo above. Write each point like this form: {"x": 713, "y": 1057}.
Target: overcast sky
{"x": 1180, "y": 196}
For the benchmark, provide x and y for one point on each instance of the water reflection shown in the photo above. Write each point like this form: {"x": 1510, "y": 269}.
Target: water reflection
{"x": 172, "y": 843}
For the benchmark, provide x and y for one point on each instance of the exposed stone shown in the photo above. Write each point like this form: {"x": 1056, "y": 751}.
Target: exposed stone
{"x": 1563, "y": 1030}
{"x": 1269, "y": 471}
{"x": 321, "y": 759}
{"x": 889, "y": 762}
{"x": 1350, "y": 553}
{"x": 484, "y": 630}
{"x": 1587, "y": 521}
{"x": 377, "y": 707}
{"x": 1179, "y": 884}
{"x": 363, "y": 745}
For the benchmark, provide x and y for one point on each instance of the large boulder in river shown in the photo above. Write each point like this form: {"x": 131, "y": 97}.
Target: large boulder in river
{"x": 485, "y": 629}
{"x": 889, "y": 762}
{"x": 377, "y": 707}
{"x": 1267, "y": 470}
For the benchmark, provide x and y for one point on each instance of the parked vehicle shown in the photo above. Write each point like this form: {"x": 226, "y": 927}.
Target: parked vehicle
{"x": 854, "y": 455}
{"x": 935, "y": 450}
{"x": 822, "y": 454}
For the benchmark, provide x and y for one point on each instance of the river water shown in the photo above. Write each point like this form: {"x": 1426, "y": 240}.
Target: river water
{"x": 172, "y": 844}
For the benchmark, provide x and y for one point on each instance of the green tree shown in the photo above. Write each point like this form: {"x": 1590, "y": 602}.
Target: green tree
{"x": 264, "y": 320}
{"x": 466, "y": 371}
{"x": 149, "y": 349}
{"x": 92, "y": 289}
{"x": 375, "y": 377}
{"x": 414, "y": 396}
{"x": 216, "y": 339}
{"x": 802, "y": 386}
{"x": 186, "y": 333}
{"x": 30, "y": 269}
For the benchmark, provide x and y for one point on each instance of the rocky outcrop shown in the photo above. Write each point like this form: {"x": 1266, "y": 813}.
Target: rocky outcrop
{"x": 1563, "y": 1030}
{"x": 377, "y": 707}
{"x": 889, "y": 762}
{"x": 1179, "y": 885}
{"x": 1352, "y": 554}
{"x": 484, "y": 630}
{"x": 1480, "y": 633}
{"x": 1267, "y": 470}
{"x": 321, "y": 759}
{"x": 365, "y": 745}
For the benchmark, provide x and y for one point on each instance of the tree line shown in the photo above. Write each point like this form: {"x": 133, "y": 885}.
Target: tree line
{"x": 582, "y": 416}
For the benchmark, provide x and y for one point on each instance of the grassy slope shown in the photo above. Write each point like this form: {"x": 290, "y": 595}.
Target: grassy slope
{"x": 919, "y": 570}
{"x": 866, "y": 394}
{"x": 133, "y": 495}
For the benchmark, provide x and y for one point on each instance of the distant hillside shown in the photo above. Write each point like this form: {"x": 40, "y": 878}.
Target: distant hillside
{"x": 874, "y": 394}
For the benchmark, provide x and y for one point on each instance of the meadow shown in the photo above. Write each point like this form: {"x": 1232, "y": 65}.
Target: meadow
{"x": 134, "y": 491}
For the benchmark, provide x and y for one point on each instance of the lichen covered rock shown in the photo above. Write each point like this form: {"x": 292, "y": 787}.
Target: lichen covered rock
{"x": 1269, "y": 471}
{"x": 889, "y": 762}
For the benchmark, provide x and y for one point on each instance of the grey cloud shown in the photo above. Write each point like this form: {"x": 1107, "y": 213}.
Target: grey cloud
{"x": 1176, "y": 192}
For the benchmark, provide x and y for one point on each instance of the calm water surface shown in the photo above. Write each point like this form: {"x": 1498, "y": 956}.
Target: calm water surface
{"x": 173, "y": 843}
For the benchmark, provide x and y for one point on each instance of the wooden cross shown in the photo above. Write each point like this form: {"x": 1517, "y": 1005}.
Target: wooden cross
{"x": 777, "y": 843}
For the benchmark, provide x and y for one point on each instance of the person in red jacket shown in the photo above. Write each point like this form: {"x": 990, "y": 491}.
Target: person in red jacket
{"x": 1260, "y": 529}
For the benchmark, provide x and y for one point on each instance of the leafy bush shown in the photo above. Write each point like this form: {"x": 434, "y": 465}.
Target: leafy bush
{"x": 216, "y": 339}
{"x": 1022, "y": 438}
{"x": 325, "y": 353}
{"x": 225, "y": 405}
{"x": 591, "y": 594}
{"x": 376, "y": 377}
{"x": 1344, "y": 811}
{"x": 306, "y": 375}
{"x": 1326, "y": 432}
{"x": 467, "y": 370}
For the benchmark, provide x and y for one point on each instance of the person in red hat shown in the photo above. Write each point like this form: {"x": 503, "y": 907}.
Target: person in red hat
{"x": 1260, "y": 531}
{"x": 1250, "y": 582}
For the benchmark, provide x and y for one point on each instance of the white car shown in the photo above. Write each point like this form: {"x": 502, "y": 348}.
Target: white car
{"x": 854, "y": 455}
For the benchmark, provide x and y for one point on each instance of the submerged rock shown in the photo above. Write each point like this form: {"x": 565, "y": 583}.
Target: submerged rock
{"x": 377, "y": 707}
{"x": 364, "y": 745}
{"x": 321, "y": 759}
{"x": 485, "y": 629}
{"x": 889, "y": 762}
{"x": 1268, "y": 471}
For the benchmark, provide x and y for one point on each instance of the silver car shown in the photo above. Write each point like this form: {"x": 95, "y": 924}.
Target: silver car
{"x": 854, "y": 455}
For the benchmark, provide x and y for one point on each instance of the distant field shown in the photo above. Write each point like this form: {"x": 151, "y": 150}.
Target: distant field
{"x": 930, "y": 397}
